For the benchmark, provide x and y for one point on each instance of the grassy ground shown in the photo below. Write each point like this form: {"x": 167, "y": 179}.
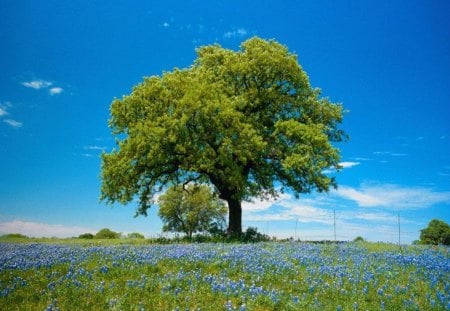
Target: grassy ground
{"x": 107, "y": 275}
{"x": 76, "y": 241}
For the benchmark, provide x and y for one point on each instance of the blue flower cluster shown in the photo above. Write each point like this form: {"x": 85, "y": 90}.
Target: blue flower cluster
{"x": 292, "y": 275}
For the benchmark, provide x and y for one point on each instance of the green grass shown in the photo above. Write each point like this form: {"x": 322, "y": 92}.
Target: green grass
{"x": 77, "y": 241}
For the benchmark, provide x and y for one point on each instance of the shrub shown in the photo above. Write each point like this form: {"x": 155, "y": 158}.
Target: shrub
{"x": 359, "y": 239}
{"x": 106, "y": 233}
{"x": 86, "y": 236}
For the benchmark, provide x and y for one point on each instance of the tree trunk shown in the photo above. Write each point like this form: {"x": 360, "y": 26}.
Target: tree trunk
{"x": 234, "y": 216}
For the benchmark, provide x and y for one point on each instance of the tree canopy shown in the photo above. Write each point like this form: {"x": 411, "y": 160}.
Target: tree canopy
{"x": 437, "y": 232}
{"x": 191, "y": 209}
{"x": 247, "y": 122}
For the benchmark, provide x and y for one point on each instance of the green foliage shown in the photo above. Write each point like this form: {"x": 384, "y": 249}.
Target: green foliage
{"x": 86, "y": 236}
{"x": 244, "y": 121}
{"x": 106, "y": 233}
{"x": 252, "y": 235}
{"x": 359, "y": 239}
{"x": 14, "y": 236}
{"x": 135, "y": 235}
{"x": 437, "y": 232}
{"x": 190, "y": 209}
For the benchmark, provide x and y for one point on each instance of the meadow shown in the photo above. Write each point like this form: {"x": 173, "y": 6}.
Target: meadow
{"x": 223, "y": 276}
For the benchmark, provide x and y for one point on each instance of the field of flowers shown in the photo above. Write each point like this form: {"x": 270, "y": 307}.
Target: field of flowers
{"x": 262, "y": 276}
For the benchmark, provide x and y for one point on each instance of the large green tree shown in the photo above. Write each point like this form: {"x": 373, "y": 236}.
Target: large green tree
{"x": 190, "y": 209}
{"x": 437, "y": 232}
{"x": 248, "y": 122}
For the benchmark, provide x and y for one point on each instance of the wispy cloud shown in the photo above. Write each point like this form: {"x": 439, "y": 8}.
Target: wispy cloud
{"x": 13, "y": 123}
{"x": 361, "y": 159}
{"x": 319, "y": 208}
{"x": 262, "y": 205}
{"x": 37, "y": 84}
{"x": 287, "y": 208}
{"x": 43, "y": 84}
{"x": 373, "y": 216}
{"x": 315, "y": 217}
{"x": 99, "y": 148}
{"x": 238, "y": 33}
{"x": 36, "y": 229}
{"x": 308, "y": 213}
{"x": 393, "y": 196}
{"x": 389, "y": 153}
{"x": 3, "y": 111}
{"x": 55, "y": 90}
{"x": 348, "y": 164}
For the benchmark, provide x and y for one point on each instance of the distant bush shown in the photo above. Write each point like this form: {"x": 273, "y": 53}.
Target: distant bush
{"x": 359, "y": 239}
{"x": 14, "y": 236}
{"x": 87, "y": 236}
{"x": 135, "y": 235}
{"x": 106, "y": 233}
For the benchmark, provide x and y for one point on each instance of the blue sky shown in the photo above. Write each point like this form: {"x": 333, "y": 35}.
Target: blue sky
{"x": 63, "y": 62}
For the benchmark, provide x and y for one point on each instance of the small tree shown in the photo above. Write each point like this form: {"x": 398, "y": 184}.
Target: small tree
{"x": 192, "y": 209}
{"x": 437, "y": 232}
{"x": 135, "y": 235}
{"x": 106, "y": 233}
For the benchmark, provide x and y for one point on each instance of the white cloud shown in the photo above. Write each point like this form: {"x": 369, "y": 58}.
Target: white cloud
{"x": 361, "y": 159}
{"x": 348, "y": 164}
{"x": 343, "y": 165}
{"x": 389, "y": 153}
{"x": 262, "y": 205}
{"x": 3, "y": 111}
{"x": 306, "y": 213}
{"x": 37, "y": 84}
{"x": 13, "y": 123}
{"x": 393, "y": 196}
{"x": 312, "y": 218}
{"x": 240, "y": 32}
{"x": 267, "y": 217}
{"x": 94, "y": 148}
{"x": 374, "y": 217}
{"x": 288, "y": 208}
{"x": 363, "y": 198}
{"x": 55, "y": 90}
{"x": 35, "y": 229}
